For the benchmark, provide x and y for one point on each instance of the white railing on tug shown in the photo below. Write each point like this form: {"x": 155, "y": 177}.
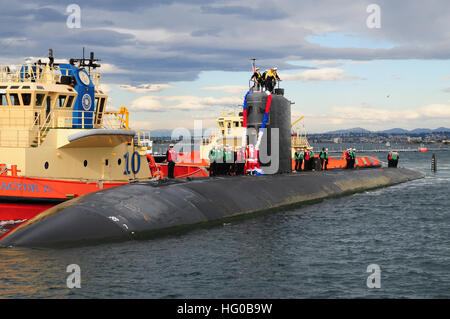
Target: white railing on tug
{"x": 38, "y": 74}
{"x": 29, "y": 73}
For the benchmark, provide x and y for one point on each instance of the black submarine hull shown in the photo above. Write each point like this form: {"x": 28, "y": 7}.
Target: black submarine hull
{"x": 145, "y": 208}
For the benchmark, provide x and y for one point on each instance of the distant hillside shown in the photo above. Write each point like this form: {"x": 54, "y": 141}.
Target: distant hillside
{"x": 359, "y": 130}
{"x": 441, "y": 129}
{"x": 421, "y": 131}
{"x": 355, "y": 130}
{"x": 394, "y": 131}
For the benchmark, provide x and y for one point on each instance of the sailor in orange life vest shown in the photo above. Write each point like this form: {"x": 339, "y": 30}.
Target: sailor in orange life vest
{"x": 252, "y": 159}
{"x": 171, "y": 157}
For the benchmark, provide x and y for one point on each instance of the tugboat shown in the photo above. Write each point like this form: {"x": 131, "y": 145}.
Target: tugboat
{"x": 57, "y": 141}
{"x": 422, "y": 149}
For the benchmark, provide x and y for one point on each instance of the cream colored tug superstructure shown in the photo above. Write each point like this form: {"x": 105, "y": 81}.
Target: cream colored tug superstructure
{"x": 228, "y": 132}
{"x": 38, "y": 134}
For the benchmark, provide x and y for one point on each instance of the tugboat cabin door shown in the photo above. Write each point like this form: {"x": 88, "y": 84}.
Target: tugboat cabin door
{"x": 47, "y": 108}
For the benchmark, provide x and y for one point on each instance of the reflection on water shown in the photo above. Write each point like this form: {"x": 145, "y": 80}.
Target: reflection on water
{"x": 320, "y": 250}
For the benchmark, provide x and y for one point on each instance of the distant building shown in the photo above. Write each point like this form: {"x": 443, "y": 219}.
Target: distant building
{"x": 414, "y": 139}
{"x": 337, "y": 140}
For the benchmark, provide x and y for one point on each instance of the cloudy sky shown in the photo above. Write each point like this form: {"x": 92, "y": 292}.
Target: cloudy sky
{"x": 172, "y": 62}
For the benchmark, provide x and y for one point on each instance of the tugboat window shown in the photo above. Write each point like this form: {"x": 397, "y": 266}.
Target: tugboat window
{"x": 39, "y": 99}
{"x": 102, "y": 105}
{"x": 14, "y": 97}
{"x": 119, "y": 161}
{"x": 70, "y": 101}
{"x": 85, "y": 163}
{"x": 106, "y": 162}
{"x": 46, "y": 165}
{"x": 60, "y": 100}
{"x": 26, "y": 98}
{"x": 47, "y": 109}
{"x": 3, "y": 100}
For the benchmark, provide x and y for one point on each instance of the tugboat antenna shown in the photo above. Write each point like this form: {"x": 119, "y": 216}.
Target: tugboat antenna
{"x": 253, "y": 64}
{"x": 89, "y": 63}
{"x": 50, "y": 56}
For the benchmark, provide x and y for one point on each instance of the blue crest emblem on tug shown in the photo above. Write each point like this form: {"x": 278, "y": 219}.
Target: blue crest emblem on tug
{"x": 86, "y": 102}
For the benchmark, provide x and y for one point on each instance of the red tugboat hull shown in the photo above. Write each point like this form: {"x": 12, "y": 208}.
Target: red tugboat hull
{"x": 22, "y": 198}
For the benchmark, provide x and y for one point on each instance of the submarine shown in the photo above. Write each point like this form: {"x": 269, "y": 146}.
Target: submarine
{"x": 144, "y": 208}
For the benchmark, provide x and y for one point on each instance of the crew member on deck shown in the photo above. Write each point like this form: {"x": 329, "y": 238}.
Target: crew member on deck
{"x": 393, "y": 158}
{"x": 228, "y": 160}
{"x": 263, "y": 80}
{"x": 311, "y": 164}
{"x": 299, "y": 155}
{"x": 219, "y": 160}
{"x": 348, "y": 157}
{"x": 212, "y": 161}
{"x": 353, "y": 154}
{"x": 171, "y": 157}
{"x": 270, "y": 79}
{"x": 307, "y": 157}
{"x": 324, "y": 158}
{"x": 240, "y": 161}
{"x": 257, "y": 78}
{"x": 252, "y": 159}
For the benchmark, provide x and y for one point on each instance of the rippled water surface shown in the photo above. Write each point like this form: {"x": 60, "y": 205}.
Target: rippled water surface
{"x": 317, "y": 251}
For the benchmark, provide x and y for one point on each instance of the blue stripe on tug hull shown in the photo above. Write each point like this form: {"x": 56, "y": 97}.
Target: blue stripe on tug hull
{"x": 143, "y": 208}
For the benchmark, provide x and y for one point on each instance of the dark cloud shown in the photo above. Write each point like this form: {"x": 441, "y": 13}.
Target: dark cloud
{"x": 130, "y": 6}
{"x": 47, "y": 15}
{"x": 97, "y": 38}
{"x": 161, "y": 41}
{"x": 262, "y": 13}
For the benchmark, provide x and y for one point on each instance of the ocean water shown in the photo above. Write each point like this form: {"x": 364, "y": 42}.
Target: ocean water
{"x": 316, "y": 251}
